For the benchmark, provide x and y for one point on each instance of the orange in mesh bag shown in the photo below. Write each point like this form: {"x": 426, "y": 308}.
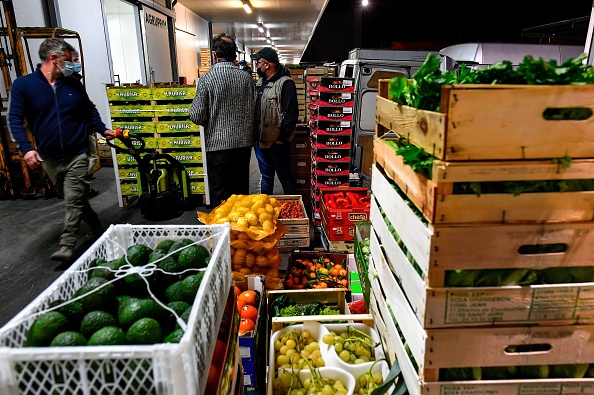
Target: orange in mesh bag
{"x": 255, "y": 215}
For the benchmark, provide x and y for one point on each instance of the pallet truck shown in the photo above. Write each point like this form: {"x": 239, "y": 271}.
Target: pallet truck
{"x": 164, "y": 182}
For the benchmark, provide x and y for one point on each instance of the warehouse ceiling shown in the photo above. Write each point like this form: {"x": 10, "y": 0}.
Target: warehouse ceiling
{"x": 289, "y": 24}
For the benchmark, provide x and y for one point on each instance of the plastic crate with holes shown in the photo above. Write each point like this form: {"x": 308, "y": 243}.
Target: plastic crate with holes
{"x": 160, "y": 369}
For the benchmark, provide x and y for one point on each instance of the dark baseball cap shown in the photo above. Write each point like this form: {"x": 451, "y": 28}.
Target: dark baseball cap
{"x": 268, "y": 54}
{"x": 242, "y": 62}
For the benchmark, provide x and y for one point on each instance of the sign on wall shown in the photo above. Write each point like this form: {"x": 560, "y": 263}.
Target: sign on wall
{"x": 157, "y": 48}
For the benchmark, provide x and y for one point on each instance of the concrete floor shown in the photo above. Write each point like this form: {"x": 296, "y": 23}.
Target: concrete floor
{"x": 30, "y": 230}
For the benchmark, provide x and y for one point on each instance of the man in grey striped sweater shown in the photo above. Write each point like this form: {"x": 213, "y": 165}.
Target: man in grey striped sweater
{"x": 224, "y": 104}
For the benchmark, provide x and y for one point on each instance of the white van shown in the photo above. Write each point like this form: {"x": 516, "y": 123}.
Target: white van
{"x": 367, "y": 66}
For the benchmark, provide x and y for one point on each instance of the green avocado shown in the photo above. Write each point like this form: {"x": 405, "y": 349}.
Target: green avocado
{"x": 164, "y": 246}
{"x": 178, "y": 245}
{"x": 68, "y": 339}
{"x": 193, "y": 257}
{"x": 45, "y": 328}
{"x": 138, "y": 254}
{"x": 108, "y": 336}
{"x": 99, "y": 295}
{"x": 96, "y": 320}
{"x": 141, "y": 308}
{"x": 189, "y": 287}
{"x": 144, "y": 331}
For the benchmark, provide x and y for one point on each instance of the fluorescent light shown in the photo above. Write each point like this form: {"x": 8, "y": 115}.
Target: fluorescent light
{"x": 365, "y": 2}
{"x": 247, "y": 6}
{"x": 268, "y": 40}
{"x": 260, "y": 27}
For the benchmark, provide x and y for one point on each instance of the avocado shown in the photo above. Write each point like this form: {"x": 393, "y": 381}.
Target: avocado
{"x": 193, "y": 257}
{"x": 107, "y": 269}
{"x": 96, "y": 320}
{"x": 45, "y": 328}
{"x": 178, "y": 245}
{"x": 178, "y": 307}
{"x": 108, "y": 336}
{"x": 173, "y": 292}
{"x": 189, "y": 287}
{"x": 74, "y": 311}
{"x": 68, "y": 339}
{"x": 138, "y": 254}
{"x": 99, "y": 295}
{"x": 185, "y": 316}
{"x": 144, "y": 331}
{"x": 141, "y": 308}
{"x": 164, "y": 246}
{"x": 175, "y": 336}
{"x": 169, "y": 267}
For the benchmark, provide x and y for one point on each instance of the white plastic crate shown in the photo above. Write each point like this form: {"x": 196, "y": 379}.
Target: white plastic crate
{"x": 160, "y": 369}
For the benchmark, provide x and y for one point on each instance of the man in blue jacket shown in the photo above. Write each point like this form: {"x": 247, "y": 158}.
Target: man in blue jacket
{"x": 58, "y": 110}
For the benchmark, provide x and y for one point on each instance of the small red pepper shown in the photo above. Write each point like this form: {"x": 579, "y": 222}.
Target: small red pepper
{"x": 341, "y": 202}
{"x": 353, "y": 199}
{"x": 330, "y": 200}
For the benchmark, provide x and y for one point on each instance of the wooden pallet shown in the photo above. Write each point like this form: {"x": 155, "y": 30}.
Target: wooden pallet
{"x": 494, "y": 122}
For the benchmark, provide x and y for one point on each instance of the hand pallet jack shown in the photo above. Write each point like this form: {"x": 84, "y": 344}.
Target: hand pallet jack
{"x": 164, "y": 182}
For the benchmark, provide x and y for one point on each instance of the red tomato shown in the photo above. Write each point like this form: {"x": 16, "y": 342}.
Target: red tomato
{"x": 249, "y": 311}
{"x": 246, "y": 325}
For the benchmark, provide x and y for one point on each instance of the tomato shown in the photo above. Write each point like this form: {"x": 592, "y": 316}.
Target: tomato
{"x": 240, "y": 304}
{"x": 237, "y": 291}
{"x": 249, "y": 297}
{"x": 246, "y": 325}
{"x": 249, "y": 311}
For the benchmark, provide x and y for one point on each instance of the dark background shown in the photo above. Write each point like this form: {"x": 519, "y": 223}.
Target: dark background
{"x": 424, "y": 25}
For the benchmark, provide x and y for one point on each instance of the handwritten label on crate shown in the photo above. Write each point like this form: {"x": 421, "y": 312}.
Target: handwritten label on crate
{"x": 177, "y": 126}
{"x": 128, "y": 94}
{"x": 132, "y": 111}
{"x": 197, "y": 187}
{"x": 135, "y": 127}
{"x": 179, "y": 142}
{"x": 172, "y": 110}
{"x": 149, "y": 142}
{"x": 177, "y": 93}
{"x": 546, "y": 304}
{"x": 187, "y": 157}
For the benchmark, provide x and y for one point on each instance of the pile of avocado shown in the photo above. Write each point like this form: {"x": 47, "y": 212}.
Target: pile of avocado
{"x": 122, "y": 311}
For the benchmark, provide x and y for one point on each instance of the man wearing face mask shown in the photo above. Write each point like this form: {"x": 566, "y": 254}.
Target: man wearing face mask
{"x": 277, "y": 112}
{"x": 58, "y": 111}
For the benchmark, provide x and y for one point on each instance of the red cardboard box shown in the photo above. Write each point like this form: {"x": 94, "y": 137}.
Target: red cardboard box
{"x": 335, "y": 216}
{"x": 332, "y": 141}
{"x": 331, "y": 168}
{"x": 331, "y": 113}
{"x": 331, "y": 155}
{"x": 335, "y": 84}
{"x": 343, "y": 99}
{"x": 331, "y": 127}
{"x": 330, "y": 181}
{"x": 338, "y": 232}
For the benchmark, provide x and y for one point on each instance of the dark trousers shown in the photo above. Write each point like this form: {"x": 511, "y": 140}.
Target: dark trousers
{"x": 228, "y": 173}
{"x": 277, "y": 159}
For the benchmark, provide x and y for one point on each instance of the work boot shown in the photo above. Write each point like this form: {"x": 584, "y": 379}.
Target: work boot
{"x": 63, "y": 254}
{"x": 93, "y": 234}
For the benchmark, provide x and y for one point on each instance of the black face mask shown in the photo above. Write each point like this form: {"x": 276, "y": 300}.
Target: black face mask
{"x": 261, "y": 73}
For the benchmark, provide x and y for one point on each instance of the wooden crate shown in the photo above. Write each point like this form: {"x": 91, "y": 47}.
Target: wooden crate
{"x": 437, "y": 249}
{"x": 435, "y": 197}
{"x": 435, "y": 349}
{"x": 494, "y": 122}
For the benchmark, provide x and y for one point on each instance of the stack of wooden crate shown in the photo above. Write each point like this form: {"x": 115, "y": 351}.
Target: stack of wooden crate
{"x": 298, "y": 76}
{"x": 159, "y": 115}
{"x": 204, "y": 61}
{"x": 518, "y": 339}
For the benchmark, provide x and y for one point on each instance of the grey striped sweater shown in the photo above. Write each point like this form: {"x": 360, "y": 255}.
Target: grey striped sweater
{"x": 224, "y": 104}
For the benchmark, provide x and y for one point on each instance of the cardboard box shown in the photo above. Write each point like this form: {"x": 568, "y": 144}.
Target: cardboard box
{"x": 344, "y": 232}
{"x": 331, "y": 113}
{"x": 301, "y": 145}
{"x": 331, "y": 127}
{"x": 301, "y": 164}
{"x": 331, "y": 154}
{"x": 342, "y": 141}
{"x": 314, "y": 255}
{"x": 344, "y": 216}
{"x": 248, "y": 343}
{"x": 331, "y": 168}
{"x": 342, "y": 99}
{"x": 331, "y": 84}
{"x": 333, "y": 181}
{"x": 136, "y": 127}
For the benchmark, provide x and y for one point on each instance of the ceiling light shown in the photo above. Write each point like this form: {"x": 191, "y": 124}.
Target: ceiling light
{"x": 268, "y": 40}
{"x": 365, "y": 2}
{"x": 260, "y": 27}
{"x": 247, "y": 6}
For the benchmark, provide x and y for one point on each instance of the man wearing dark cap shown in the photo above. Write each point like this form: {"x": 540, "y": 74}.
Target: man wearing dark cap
{"x": 276, "y": 117}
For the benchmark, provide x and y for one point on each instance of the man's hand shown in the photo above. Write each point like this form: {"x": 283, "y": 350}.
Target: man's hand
{"x": 109, "y": 134}
{"x": 32, "y": 159}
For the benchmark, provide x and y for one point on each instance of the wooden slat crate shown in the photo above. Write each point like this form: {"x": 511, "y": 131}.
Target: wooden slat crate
{"x": 494, "y": 122}
{"x": 437, "y": 249}
{"x": 436, "y": 349}
{"x": 435, "y": 197}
